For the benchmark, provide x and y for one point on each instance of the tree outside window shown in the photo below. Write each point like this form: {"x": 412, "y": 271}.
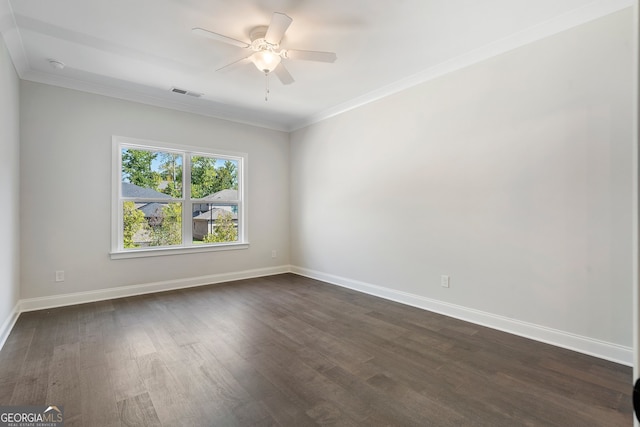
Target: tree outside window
{"x": 162, "y": 190}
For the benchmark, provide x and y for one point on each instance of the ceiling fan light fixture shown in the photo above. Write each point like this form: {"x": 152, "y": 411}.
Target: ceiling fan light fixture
{"x": 266, "y": 60}
{"x": 266, "y": 53}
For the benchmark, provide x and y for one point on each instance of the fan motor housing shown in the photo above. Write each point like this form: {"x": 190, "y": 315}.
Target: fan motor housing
{"x": 258, "y": 33}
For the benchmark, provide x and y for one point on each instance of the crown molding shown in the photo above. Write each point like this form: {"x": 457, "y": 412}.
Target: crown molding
{"x": 11, "y": 35}
{"x": 590, "y": 12}
{"x": 153, "y": 96}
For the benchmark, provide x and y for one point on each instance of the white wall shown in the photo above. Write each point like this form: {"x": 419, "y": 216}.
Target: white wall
{"x": 636, "y": 122}
{"x": 9, "y": 191}
{"x": 513, "y": 176}
{"x": 66, "y": 191}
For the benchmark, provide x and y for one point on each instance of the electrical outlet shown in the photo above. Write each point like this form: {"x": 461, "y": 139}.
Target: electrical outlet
{"x": 274, "y": 253}
{"x": 444, "y": 281}
{"x": 60, "y": 276}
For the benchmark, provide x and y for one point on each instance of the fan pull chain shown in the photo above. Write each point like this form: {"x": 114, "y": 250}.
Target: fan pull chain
{"x": 266, "y": 85}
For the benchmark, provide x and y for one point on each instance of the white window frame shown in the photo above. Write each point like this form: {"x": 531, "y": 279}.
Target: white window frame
{"x": 117, "y": 238}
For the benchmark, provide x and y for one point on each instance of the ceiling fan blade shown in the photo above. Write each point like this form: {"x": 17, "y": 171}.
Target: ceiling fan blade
{"x": 310, "y": 55}
{"x": 235, "y": 63}
{"x": 279, "y": 24}
{"x": 283, "y": 74}
{"x": 218, "y": 37}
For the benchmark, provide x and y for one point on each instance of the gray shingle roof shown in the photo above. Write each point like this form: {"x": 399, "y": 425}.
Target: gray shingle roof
{"x": 223, "y": 195}
{"x": 214, "y": 213}
{"x": 152, "y": 210}
{"x": 132, "y": 190}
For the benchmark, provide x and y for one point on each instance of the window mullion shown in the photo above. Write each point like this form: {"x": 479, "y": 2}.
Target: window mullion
{"x": 158, "y": 234}
{"x": 187, "y": 208}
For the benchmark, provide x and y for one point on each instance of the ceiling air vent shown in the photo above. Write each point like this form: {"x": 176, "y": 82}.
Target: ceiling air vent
{"x": 186, "y": 92}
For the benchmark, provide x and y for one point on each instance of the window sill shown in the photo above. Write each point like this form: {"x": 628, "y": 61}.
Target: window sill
{"x": 148, "y": 252}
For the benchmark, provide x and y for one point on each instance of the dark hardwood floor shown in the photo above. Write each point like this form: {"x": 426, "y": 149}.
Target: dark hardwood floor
{"x": 291, "y": 351}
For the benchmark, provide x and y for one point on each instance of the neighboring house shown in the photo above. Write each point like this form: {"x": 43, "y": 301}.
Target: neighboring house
{"x": 205, "y": 222}
{"x": 199, "y": 208}
{"x": 152, "y": 211}
{"x": 132, "y": 190}
{"x": 204, "y": 214}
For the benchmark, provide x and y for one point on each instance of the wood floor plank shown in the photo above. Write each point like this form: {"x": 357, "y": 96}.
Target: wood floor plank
{"x": 32, "y": 382}
{"x": 284, "y": 408}
{"x": 138, "y": 411}
{"x": 407, "y": 407}
{"x": 287, "y": 350}
{"x": 126, "y": 380}
{"x": 6, "y": 391}
{"x": 68, "y": 327}
{"x": 63, "y": 387}
{"x": 97, "y": 397}
{"x": 166, "y": 394}
{"x": 13, "y": 354}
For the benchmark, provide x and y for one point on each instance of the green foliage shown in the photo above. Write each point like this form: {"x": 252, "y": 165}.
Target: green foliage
{"x": 206, "y": 179}
{"x": 148, "y": 169}
{"x": 133, "y": 222}
{"x": 136, "y": 168}
{"x": 171, "y": 172}
{"x": 223, "y": 231}
{"x": 166, "y": 229}
{"x": 203, "y": 176}
{"x": 227, "y": 176}
{"x": 173, "y": 189}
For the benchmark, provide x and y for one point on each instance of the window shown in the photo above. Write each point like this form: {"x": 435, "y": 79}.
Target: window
{"x": 169, "y": 199}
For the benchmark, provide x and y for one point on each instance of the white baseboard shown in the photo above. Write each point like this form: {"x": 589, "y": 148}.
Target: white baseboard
{"x": 41, "y": 303}
{"x": 604, "y": 350}
{"x": 593, "y": 347}
{"x": 7, "y": 325}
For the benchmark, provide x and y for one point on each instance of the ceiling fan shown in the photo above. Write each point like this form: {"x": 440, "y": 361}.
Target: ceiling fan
{"x": 266, "y": 53}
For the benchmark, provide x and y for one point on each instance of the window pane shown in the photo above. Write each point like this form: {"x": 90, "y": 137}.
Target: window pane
{"x": 214, "y": 179}
{"x": 151, "y": 224}
{"x": 213, "y": 223}
{"x": 151, "y": 174}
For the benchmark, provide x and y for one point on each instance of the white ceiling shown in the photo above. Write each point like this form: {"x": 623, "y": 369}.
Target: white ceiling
{"x": 140, "y": 49}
